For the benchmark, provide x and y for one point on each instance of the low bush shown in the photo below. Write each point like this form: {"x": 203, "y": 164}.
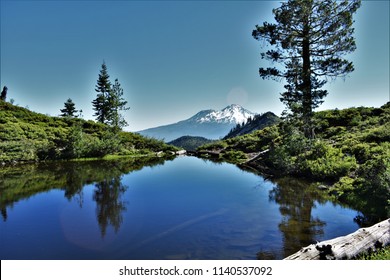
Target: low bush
{"x": 325, "y": 162}
{"x": 378, "y": 134}
{"x": 218, "y": 145}
{"x": 233, "y": 156}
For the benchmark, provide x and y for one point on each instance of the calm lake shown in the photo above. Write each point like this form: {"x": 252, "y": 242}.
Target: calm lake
{"x": 186, "y": 208}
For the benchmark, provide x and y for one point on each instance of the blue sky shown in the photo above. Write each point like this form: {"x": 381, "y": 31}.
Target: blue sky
{"x": 173, "y": 58}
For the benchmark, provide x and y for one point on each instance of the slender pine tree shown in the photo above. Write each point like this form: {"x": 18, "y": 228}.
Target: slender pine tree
{"x": 116, "y": 103}
{"x": 103, "y": 89}
{"x": 109, "y": 101}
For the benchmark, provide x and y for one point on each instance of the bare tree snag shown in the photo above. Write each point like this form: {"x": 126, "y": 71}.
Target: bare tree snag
{"x": 347, "y": 247}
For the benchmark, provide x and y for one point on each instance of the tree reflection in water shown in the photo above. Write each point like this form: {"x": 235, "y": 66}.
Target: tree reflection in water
{"x": 109, "y": 206}
{"x": 24, "y": 181}
{"x": 296, "y": 199}
{"x": 4, "y": 213}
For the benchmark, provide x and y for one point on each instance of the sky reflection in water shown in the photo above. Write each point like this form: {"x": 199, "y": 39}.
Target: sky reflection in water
{"x": 182, "y": 209}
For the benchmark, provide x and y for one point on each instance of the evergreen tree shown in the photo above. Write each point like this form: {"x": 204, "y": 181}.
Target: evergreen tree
{"x": 309, "y": 39}
{"x": 116, "y": 103}
{"x": 109, "y": 101}
{"x": 69, "y": 109}
{"x": 103, "y": 88}
{"x": 3, "y": 95}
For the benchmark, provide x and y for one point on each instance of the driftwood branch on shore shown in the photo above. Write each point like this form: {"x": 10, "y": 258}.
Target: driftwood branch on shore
{"x": 347, "y": 247}
{"x": 256, "y": 156}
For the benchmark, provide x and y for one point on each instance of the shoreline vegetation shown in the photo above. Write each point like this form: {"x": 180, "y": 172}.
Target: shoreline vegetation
{"x": 27, "y": 137}
{"x": 349, "y": 157}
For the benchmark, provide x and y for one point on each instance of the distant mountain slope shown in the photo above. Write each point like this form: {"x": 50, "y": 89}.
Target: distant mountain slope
{"x": 190, "y": 143}
{"x": 211, "y": 124}
{"x": 256, "y": 123}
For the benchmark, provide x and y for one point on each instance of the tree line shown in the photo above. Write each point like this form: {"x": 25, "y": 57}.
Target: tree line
{"x": 108, "y": 104}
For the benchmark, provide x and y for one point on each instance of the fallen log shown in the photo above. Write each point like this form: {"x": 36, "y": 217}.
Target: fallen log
{"x": 181, "y": 152}
{"x": 364, "y": 240}
{"x": 255, "y": 156}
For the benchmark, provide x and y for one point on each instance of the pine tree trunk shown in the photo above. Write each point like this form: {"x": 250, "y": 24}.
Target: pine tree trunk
{"x": 306, "y": 76}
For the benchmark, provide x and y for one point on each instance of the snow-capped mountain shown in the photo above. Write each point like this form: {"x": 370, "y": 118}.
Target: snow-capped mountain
{"x": 231, "y": 114}
{"x": 211, "y": 124}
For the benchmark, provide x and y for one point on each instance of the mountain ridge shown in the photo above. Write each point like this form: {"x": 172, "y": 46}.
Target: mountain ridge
{"x": 257, "y": 122}
{"x": 209, "y": 123}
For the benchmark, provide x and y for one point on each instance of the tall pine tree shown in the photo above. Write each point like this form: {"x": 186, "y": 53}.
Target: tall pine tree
{"x": 117, "y": 103}
{"x": 103, "y": 89}
{"x": 309, "y": 40}
{"x": 109, "y": 101}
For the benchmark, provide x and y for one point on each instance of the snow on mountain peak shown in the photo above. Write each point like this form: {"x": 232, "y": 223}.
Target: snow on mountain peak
{"x": 211, "y": 124}
{"x": 233, "y": 114}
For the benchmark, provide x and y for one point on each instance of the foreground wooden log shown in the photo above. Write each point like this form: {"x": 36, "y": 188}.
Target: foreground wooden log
{"x": 349, "y": 246}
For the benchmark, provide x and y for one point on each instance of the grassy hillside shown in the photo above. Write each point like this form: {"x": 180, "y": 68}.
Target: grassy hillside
{"x": 30, "y": 136}
{"x": 350, "y": 155}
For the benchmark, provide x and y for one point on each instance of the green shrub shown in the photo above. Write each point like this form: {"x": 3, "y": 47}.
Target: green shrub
{"x": 280, "y": 158}
{"x": 326, "y": 162}
{"x": 234, "y": 156}
{"x": 381, "y": 254}
{"x": 218, "y": 145}
{"x": 378, "y": 134}
{"x": 24, "y": 150}
{"x": 48, "y": 150}
{"x": 75, "y": 146}
{"x": 361, "y": 151}
{"x": 110, "y": 143}
{"x": 344, "y": 186}
{"x": 375, "y": 175}
{"x": 369, "y": 191}
{"x": 334, "y": 131}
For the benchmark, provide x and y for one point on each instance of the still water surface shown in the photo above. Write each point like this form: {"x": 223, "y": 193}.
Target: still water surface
{"x": 186, "y": 208}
